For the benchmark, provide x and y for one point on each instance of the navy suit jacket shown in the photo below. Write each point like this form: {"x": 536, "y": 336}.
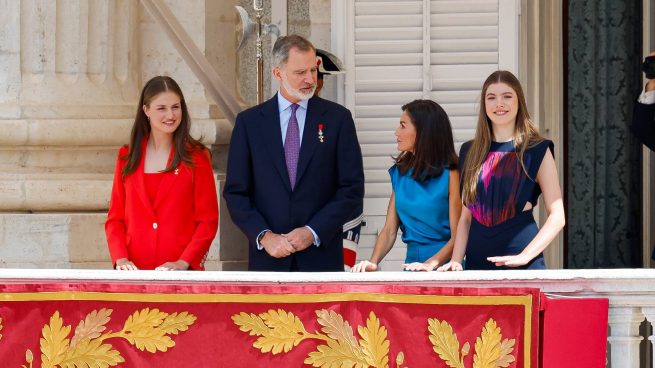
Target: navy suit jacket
{"x": 329, "y": 184}
{"x": 643, "y": 124}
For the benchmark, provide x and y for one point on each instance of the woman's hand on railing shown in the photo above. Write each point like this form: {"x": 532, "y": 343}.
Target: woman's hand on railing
{"x": 451, "y": 266}
{"x": 364, "y": 266}
{"x": 418, "y": 266}
{"x": 510, "y": 261}
{"x": 179, "y": 265}
{"x": 124, "y": 264}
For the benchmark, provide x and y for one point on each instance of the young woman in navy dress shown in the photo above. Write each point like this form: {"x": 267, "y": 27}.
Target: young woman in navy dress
{"x": 505, "y": 168}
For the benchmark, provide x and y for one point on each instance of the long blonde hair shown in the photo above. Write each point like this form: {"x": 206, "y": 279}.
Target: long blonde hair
{"x": 526, "y": 135}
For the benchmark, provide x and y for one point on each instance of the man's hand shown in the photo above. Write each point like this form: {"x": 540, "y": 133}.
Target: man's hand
{"x": 300, "y": 238}
{"x": 179, "y": 265}
{"x": 276, "y": 245}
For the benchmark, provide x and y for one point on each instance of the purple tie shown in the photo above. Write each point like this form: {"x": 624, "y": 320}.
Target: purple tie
{"x": 292, "y": 146}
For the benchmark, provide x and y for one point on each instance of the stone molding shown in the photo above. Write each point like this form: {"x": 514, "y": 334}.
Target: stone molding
{"x": 95, "y": 132}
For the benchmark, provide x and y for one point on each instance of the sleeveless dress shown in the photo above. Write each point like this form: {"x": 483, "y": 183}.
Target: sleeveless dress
{"x": 499, "y": 226}
{"x": 422, "y": 207}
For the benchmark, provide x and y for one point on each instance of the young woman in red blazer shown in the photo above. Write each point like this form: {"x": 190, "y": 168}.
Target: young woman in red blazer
{"x": 163, "y": 213}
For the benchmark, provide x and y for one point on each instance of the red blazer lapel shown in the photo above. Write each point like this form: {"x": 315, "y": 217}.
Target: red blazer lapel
{"x": 139, "y": 180}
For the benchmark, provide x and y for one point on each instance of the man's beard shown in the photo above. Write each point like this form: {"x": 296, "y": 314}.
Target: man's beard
{"x": 296, "y": 92}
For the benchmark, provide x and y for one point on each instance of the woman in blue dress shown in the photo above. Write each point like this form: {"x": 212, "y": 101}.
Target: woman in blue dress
{"x": 505, "y": 168}
{"x": 425, "y": 202}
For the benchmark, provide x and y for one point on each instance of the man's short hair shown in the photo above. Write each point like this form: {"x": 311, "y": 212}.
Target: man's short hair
{"x": 285, "y": 43}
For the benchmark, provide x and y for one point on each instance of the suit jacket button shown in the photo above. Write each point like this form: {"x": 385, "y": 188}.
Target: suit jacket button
{"x": 154, "y": 225}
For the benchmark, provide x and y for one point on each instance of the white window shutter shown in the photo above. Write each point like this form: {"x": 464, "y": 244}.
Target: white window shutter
{"x": 398, "y": 51}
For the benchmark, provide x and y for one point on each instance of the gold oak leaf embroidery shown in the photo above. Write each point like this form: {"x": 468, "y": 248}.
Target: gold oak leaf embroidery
{"x": 285, "y": 332}
{"x": 54, "y": 342}
{"x": 506, "y": 357}
{"x": 343, "y": 344}
{"x": 174, "y": 323}
{"x": 145, "y": 329}
{"x": 490, "y": 352}
{"x": 281, "y": 331}
{"x": 250, "y": 323}
{"x": 277, "y": 330}
{"x": 334, "y": 354}
{"x": 487, "y": 346}
{"x": 375, "y": 344}
{"x": 445, "y": 344}
{"x": 91, "y": 353}
{"x": 92, "y": 326}
{"x": 141, "y": 331}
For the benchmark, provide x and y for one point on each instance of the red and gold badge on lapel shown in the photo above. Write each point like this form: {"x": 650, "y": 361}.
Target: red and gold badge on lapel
{"x": 320, "y": 132}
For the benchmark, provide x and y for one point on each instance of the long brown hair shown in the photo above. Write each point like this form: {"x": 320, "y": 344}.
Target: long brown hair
{"x": 433, "y": 147}
{"x": 183, "y": 143}
{"x": 526, "y": 135}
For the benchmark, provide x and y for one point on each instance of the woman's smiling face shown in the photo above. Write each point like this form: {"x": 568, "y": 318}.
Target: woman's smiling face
{"x": 501, "y": 104}
{"x": 164, "y": 112}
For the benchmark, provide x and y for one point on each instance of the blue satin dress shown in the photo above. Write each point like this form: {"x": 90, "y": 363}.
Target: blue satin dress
{"x": 422, "y": 207}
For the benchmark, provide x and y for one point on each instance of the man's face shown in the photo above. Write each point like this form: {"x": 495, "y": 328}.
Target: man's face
{"x": 298, "y": 76}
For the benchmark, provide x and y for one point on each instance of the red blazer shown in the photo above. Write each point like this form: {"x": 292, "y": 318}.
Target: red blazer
{"x": 181, "y": 224}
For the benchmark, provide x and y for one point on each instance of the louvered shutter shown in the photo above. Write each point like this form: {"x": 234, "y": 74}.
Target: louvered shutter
{"x": 398, "y": 51}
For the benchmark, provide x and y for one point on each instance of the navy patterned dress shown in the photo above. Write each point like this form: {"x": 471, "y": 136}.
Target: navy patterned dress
{"x": 499, "y": 226}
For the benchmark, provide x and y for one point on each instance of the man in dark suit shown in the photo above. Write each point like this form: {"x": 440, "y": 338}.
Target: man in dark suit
{"x": 643, "y": 117}
{"x": 294, "y": 171}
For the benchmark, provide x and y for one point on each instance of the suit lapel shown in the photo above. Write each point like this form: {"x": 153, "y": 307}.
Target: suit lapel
{"x": 167, "y": 181}
{"x": 315, "y": 110}
{"x": 272, "y": 135}
{"x": 139, "y": 180}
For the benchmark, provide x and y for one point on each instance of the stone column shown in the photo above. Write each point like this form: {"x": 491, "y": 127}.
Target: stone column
{"x": 624, "y": 336}
{"x": 71, "y": 92}
{"x": 9, "y": 59}
{"x": 69, "y": 85}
